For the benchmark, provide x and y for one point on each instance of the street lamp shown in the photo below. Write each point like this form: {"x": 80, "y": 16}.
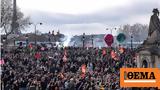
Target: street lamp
{"x": 131, "y": 42}
{"x": 35, "y": 28}
{"x": 92, "y": 41}
{"x": 131, "y": 36}
{"x": 54, "y": 38}
{"x": 26, "y": 40}
{"x": 49, "y": 37}
{"x": 3, "y": 46}
{"x": 3, "y": 40}
{"x": 111, "y": 29}
{"x": 54, "y": 35}
{"x": 83, "y": 38}
{"x": 14, "y": 41}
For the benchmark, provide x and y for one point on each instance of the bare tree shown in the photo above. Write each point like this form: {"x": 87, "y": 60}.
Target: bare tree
{"x": 138, "y": 31}
{"x": 6, "y": 18}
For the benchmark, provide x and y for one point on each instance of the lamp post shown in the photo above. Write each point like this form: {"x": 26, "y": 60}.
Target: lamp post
{"x": 131, "y": 34}
{"x": 55, "y": 37}
{"x": 26, "y": 40}
{"x": 92, "y": 41}
{"x": 83, "y": 38}
{"x": 131, "y": 42}
{"x": 3, "y": 40}
{"x": 14, "y": 42}
{"x": 3, "y": 46}
{"x": 35, "y": 28}
{"x": 49, "y": 37}
{"x": 111, "y": 29}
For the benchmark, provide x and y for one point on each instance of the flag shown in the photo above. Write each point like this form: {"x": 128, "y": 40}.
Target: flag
{"x": 65, "y": 56}
{"x": 104, "y": 52}
{"x": 37, "y": 55}
{"x": 83, "y": 75}
{"x": 83, "y": 68}
{"x": 1, "y": 61}
{"x": 114, "y": 55}
{"x": 30, "y": 46}
{"x": 65, "y": 52}
{"x": 121, "y": 49}
{"x": 42, "y": 48}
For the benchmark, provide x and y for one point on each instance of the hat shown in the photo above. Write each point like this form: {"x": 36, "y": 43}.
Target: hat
{"x": 155, "y": 10}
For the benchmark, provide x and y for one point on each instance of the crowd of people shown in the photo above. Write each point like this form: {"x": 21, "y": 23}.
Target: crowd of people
{"x": 57, "y": 68}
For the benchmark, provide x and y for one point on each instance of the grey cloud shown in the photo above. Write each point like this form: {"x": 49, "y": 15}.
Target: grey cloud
{"x": 96, "y": 22}
{"x": 115, "y": 15}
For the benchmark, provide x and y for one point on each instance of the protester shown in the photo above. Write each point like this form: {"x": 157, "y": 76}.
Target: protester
{"x": 61, "y": 68}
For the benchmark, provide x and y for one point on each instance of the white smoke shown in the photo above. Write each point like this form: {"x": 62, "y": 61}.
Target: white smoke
{"x": 67, "y": 40}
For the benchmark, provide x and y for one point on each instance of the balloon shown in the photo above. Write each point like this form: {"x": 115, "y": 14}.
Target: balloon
{"x": 121, "y": 37}
{"x": 109, "y": 39}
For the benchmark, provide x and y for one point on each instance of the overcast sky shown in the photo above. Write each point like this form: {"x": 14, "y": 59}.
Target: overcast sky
{"x": 90, "y": 16}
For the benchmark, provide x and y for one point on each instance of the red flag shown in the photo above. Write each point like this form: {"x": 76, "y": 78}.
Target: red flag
{"x": 1, "y": 61}
{"x": 30, "y": 46}
{"x": 83, "y": 75}
{"x": 65, "y": 52}
{"x": 121, "y": 49}
{"x": 64, "y": 58}
{"x": 83, "y": 68}
{"x": 114, "y": 55}
{"x": 104, "y": 52}
{"x": 37, "y": 55}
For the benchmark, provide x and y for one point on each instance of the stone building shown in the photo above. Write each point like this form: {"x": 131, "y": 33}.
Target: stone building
{"x": 149, "y": 51}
